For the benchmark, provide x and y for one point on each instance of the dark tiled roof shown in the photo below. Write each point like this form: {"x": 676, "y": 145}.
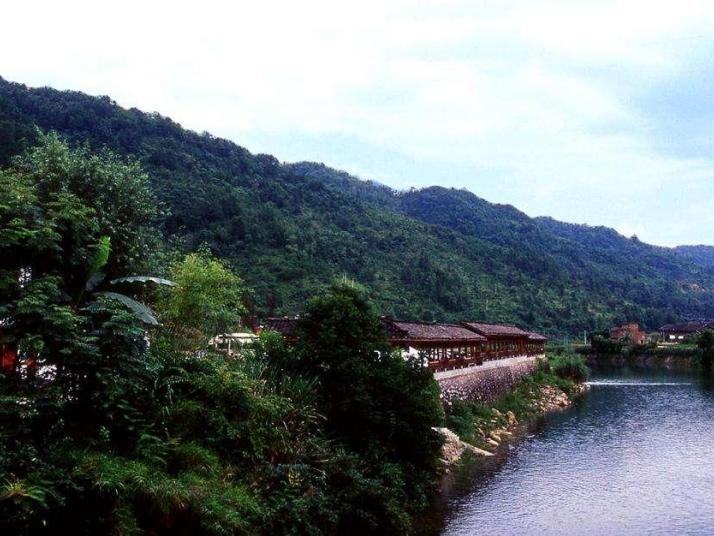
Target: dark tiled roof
{"x": 495, "y": 330}
{"x": 688, "y": 327}
{"x": 536, "y": 337}
{"x": 283, "y": 325}
{"x": 436, "y": 332}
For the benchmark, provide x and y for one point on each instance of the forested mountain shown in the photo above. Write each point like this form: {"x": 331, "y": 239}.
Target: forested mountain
{"x": 701, "y": 255}
{"x": 289, "y": 229}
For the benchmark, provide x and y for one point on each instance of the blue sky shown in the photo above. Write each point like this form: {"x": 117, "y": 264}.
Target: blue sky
{"x": 590, "y": 112}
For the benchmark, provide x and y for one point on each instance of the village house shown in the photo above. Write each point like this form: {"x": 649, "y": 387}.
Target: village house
{"x": 233, "y": 344}
{"x": 536, "y": 343}
{"x": 450, "y": 346}
{"x": 445, "y": 346}
{"x": 284, "y": 325}
{"x": 682, "y": 332}
{"x": 628, "y": 333}
{"x": 503, "y": 340}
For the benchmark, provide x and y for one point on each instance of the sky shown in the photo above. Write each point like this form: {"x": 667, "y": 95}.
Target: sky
{"x": 592, "y": 112}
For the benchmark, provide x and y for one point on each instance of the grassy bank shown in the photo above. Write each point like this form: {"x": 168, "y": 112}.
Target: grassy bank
{"x": 552, "y": 385}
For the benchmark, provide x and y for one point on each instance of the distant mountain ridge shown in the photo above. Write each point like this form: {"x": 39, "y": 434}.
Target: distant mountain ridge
{"x": 700, "y": 254}
{"x": 428, "y": 254}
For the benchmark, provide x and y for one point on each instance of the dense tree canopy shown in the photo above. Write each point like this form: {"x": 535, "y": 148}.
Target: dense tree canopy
{"x": 376, "y": 403}
{"x": 116, "y": 417}
{"x": 425, "y": 254}
{"x": 81, "y": 371}
{"x": 65, "y": 215}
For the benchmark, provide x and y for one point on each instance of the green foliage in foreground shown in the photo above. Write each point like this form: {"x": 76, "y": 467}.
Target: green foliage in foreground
{"x": 108, "y": 426}
{"x": 376, "y": 404}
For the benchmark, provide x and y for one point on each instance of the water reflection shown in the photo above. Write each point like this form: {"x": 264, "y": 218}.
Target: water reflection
{"x": 634, "y": 457}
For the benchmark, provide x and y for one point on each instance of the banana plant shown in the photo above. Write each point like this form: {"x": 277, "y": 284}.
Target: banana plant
{"x": 96, "y": 277}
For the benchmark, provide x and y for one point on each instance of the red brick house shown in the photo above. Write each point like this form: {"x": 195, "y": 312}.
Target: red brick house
{"x": 629, "y": 332}
{"x": 285, "y": 325}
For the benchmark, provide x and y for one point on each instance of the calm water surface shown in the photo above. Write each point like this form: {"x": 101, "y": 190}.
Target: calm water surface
{"x": 635, "y": 456}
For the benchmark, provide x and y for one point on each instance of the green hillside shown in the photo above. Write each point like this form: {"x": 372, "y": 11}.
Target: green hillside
{"x": 289, "y": 229}
{"x": 701, "y": 255}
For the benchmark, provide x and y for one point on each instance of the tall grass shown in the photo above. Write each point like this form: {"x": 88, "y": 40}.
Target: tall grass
{"x": 569, "y": 367}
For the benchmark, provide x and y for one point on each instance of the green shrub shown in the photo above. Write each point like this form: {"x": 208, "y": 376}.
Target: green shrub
{"x": 604, "y": 345}
{"x": 464, "y": 416}
{"x": 570, "y": 367}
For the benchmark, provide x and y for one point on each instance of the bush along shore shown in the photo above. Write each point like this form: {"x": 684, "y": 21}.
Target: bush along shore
{"x": 692, "y": 355}
{"x": 479, "y": 429}
{"x": 695, "y": 353}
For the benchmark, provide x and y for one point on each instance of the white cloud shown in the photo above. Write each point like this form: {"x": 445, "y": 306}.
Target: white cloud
{"x": 542, "y": 94}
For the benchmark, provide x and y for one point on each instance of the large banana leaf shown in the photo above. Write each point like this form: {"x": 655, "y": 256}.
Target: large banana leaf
{"x": 143, "y": 279}
{"x": 142, "y": 312}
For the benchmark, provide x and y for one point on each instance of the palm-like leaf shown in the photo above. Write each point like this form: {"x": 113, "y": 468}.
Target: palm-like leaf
{"x": 143, "y": 279}
{"x": 144, "y": 314}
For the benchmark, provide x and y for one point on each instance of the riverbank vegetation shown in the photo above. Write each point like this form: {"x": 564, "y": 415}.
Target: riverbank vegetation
{"x": 117, "y": 417}
{"x": 554, "y": 382}
{"x": 568, "y": 367}
{"x": 604, "y": 347}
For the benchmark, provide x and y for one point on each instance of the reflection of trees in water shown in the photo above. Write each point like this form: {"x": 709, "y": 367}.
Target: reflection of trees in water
{"x": 706, "y": 383}
{"x": 472, "y": 475}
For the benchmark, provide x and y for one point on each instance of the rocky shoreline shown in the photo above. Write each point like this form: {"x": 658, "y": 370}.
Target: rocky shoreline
{"x": 502, "y": 427}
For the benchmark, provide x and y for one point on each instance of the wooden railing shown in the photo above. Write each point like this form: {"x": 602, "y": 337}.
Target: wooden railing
{"x": 471, "y": 361}
{"x": 456, "y": 362}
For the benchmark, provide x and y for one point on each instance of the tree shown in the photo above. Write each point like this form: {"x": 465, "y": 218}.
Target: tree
{"x": 65, "y": 215}
{"x": 67, "y": 220}
{"x": 101, "y": 432}
{"x": 206, "y": 301}
{"x": 377, "y": 404}
{"x": 705, "y": 343}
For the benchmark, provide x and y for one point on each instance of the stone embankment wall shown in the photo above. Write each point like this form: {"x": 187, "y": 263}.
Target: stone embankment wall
{"x": 484, "y": 382}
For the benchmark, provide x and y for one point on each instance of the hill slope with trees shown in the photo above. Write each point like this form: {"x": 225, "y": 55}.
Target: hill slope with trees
{"x": 701, "y": 255}
{"x": 429, "y": 254}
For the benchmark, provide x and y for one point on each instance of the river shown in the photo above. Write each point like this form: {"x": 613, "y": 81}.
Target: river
{"x": 634, "y": 456}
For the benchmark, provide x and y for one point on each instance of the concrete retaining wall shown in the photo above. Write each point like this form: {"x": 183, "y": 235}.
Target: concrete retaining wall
{"x": 484, "y": 382}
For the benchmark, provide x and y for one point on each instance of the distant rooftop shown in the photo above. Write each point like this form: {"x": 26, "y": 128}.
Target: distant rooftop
{"x": 397, "y": 329}
{"x": 694, "y": 326}
{"x": 283, "y": 325}
{"x": 495, "y": 330}
{"x": 537, "y": 337}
